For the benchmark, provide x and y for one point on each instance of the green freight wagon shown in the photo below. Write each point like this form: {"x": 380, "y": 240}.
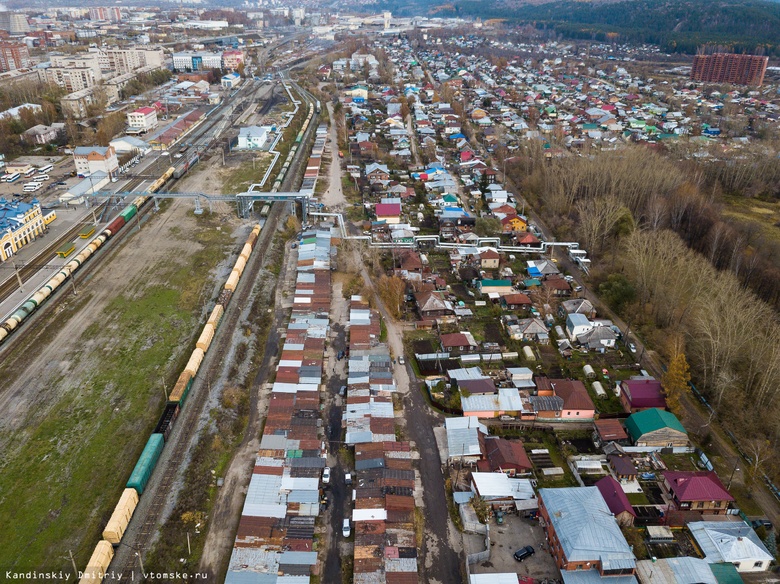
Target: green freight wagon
{"x": 146, "y": 463}
{"x": 128, "y": 213}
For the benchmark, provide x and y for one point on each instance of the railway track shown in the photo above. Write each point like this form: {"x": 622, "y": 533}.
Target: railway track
{"x": 186, "y": 424}
{"x": 159, "y": 491}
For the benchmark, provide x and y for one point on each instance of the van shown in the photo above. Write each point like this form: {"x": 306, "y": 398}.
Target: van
{"x": 346, "y": 530}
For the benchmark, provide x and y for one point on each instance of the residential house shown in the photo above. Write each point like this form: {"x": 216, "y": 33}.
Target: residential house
{"x": 685, "y": 570}
{"x": 432, "y": 304}
{"x": 464, "y": 439}
{"x": 576, "y": 325}
{"x": 462, "y": 341}
{"x": 489, "y": 259}
{"x": 526, "y": 329}
{"x": 656, "y": 428}
{"x": 641, "y": 394}
{"x": 502, "y": 455}
{"x": 495, "y": 288}
{"x": 42, "y": 134}
{"x": 583, "y": 534}
{"x": 622, "y": 466}
{"x": 733, "y": 543}
{"x": 557, "y": 286}
{"x": 577, "y": 306}
{"x": 529, "y": 240}
{"x": 518, "y": 301}
{"x": 616, "y": 500}
{"x": 697, "y": 491}
{"x": 514, "y": 224}
{"x": 502, "y": 492}
{"x": 390, "y": 213}
{"x": 483, "y": 385}
{"x": 597, "y": 338}
{"x": 377, "y": 173}
{"x": 577, "y": 404}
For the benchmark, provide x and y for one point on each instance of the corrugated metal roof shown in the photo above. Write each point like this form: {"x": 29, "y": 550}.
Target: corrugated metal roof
{"x": 728, "y": 542}
{"x": 298, "y": 558}
{"x": 585, "y": 526}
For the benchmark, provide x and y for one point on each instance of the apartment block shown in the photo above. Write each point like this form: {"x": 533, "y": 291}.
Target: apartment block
{"x": 729, "y": 68}
{"x": 14, "y": 56}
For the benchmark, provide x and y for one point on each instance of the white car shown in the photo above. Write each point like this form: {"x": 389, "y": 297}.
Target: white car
{"x": 326, "y": 475}
{"x": 346, "y": 530}
{"x": 632, "y": 347}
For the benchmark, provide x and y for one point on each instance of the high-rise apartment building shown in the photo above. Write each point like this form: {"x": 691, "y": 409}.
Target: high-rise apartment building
{"x": 14, "y": 56}
{"x": 14, "y": 22}
{"x": 729, "y": 68}
{"x": 111, "y": 13}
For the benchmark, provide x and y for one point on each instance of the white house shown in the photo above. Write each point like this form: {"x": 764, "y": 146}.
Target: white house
{"x": 576, "y": 325}
{"x": 143, "y": 119}
{"x": 731, "y": 542}
{"x": 125, "y": 144}
{"x": 252, "y": 137}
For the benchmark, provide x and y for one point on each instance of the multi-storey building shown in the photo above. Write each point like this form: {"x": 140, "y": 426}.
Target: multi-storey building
{"x": 232, "y": 58}
{"x": 90, "y": 159}
{"x": 729, "y": 68}
{"x": 123, "y": 61}
{"x": 14, "y": 56}
{"x": 143, "y": 119}
{"x": 75, "y": 73}
{"x": 196, "y": 61}
{"x": 112, "y": 13}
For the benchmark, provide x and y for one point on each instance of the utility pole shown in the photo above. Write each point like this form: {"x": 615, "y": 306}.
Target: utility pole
{"x": 18, "y": 276}
{"x": 72, "y": 561}
{"x": 141, "y": 562}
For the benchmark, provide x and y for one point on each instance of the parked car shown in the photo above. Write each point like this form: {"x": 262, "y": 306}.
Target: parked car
{"x": 524, "y": 553}
{"x": 401, "y": 360}
{"x": 632, "y": 347}
{"x": 348, "y": 479}
{"x": 343, "y": 390}
{"x": 346, "y": 530}
{"x": 765, "y": 523}
{"x": 326, "y": 475}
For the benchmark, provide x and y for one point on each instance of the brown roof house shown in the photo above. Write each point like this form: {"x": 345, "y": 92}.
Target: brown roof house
{"x": 502, "y": 455}
{"x": 432, "y": 304}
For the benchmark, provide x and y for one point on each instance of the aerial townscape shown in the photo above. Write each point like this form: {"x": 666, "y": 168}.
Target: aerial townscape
{"x": 388, "y": 292}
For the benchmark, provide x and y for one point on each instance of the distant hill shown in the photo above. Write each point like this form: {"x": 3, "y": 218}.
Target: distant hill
{"x": 676, "y": 25}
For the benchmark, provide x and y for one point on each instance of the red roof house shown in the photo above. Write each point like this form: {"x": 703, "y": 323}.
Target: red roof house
{"x": 697, "y": 491}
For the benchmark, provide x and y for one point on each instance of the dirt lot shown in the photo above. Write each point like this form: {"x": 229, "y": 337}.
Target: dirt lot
{"x": 81, "y": 395}
{"x": 515, "y": 533}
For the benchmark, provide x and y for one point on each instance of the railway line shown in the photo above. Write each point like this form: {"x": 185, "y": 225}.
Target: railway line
{"x": 186, "y": 426}
{"x": 158, "y": 493}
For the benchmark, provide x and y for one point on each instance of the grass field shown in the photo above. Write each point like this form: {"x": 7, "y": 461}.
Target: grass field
{"x": 766, "y": 215}
{"x": 68, "y": 465}
{"x": 249, "y": 172}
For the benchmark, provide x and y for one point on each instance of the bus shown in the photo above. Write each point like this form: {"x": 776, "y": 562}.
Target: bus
{"x": 45, "y": 169}
{"x": 14, "y": 177}
{"x": 30, "y": 172}
{"x": 41, "y": 177}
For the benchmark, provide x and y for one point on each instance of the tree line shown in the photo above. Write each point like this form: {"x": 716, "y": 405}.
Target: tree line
{"x": 670, "y": 262}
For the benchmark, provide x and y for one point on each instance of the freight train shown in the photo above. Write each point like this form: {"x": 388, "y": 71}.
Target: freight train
{"x": 43, "y": 293}
{"x": 298, "y": 140}
{"x": 136, "y": 484}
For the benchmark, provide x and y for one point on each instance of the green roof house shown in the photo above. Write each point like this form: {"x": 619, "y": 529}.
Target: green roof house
{"x": 655, "y": 427}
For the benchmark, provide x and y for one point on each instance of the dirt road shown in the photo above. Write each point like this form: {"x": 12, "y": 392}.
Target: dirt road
{"x": 333, "y": 197}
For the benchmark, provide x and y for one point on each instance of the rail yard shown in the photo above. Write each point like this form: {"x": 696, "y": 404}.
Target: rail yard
{"x": 118, "y": 287}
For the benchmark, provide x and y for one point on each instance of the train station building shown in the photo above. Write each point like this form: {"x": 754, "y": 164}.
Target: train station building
{"x": 20, "y": 223}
